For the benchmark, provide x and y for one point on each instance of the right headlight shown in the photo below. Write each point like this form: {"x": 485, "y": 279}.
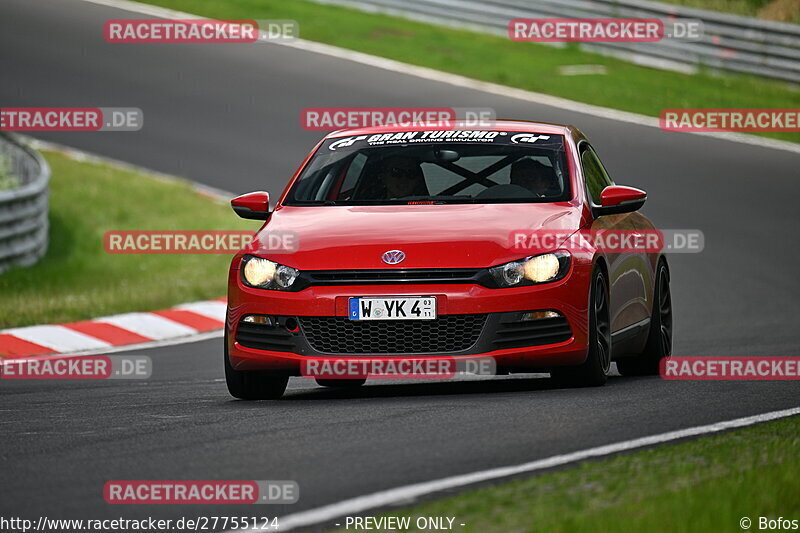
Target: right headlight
{"x": 536, "y": 269}
{"x": 265, "y": 274}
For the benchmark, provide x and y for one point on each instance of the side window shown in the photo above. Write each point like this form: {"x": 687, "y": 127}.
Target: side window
{"x": 595, "y": 175}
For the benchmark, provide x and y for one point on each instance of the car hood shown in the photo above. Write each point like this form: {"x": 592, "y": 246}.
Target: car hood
{"x": 431, "y": 236}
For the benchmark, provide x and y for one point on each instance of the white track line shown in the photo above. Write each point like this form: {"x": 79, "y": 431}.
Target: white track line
{"x": 409, "y": 493}
{"x": 462, "y": 81}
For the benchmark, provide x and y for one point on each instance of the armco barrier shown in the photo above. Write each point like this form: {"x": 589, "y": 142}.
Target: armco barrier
{"x": 730, "y": 42}
{"x": 23, "y": 209}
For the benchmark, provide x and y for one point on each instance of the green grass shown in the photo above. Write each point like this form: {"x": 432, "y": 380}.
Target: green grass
{"x": 497, "y": 59}
{"x": 78, "y": 280}
{"x": 7, "y": 180}
{"x": 780, "y": 10}
{"x": 748, "y": 8}
{"x": 702, "y": 486}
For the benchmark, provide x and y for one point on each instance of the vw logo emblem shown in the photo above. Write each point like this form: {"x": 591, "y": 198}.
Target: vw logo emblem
{"x": 392, "y": 257}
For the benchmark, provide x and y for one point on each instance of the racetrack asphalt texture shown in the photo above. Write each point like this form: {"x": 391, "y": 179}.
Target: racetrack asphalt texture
{"x": 228, "y": 116}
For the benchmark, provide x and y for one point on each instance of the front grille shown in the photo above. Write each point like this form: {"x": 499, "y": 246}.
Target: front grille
{"x": 448, "y": 333}
{"x": 389, "y": 276}
{"x": 263, "y": 337}
{"x": 532, "y": 333}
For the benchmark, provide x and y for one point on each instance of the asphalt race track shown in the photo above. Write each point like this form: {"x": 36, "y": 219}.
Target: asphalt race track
{"x": 228, "y": 116}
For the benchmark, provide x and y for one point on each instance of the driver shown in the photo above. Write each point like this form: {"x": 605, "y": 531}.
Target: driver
{"x": 534, "y": 176}
{"x": 402, "y": 176}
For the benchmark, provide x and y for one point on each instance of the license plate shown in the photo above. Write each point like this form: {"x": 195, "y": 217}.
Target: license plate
{"x": 393, "y": 308}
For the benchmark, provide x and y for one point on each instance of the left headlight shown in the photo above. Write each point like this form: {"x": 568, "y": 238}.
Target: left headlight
{"x": 265, "y": 274}
{"x": 532, "y": 270}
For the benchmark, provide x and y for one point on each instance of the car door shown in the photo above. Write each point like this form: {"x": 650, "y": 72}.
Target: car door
{"x": 629, "y": 273}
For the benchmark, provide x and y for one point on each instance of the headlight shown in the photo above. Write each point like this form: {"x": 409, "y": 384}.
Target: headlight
{"x": 531, "y": 270}
{"x": 266, "y": 274}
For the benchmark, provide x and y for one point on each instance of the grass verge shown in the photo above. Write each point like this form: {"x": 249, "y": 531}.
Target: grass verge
{"x": 528, "y": 66}
{"x": 78, "y": 280}
{"x": 780, "y": 10}
{"x": 7, "y": 180}
{"x": 696, "y": 486}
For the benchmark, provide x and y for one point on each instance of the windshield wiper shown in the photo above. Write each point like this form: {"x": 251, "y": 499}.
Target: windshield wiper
{"x": 314, "y": 202}
{"x": 446, "y": 200}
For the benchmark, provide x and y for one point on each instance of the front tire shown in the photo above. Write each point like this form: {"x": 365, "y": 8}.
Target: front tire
{"x": 253, "y": 384}
{"x": 659, "y": 338}
{"x": 594, "y": 371}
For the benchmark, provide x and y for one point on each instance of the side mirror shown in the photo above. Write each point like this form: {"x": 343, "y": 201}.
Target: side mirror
{"x": 616, "y": 199}
{"x": 253, "y": 205}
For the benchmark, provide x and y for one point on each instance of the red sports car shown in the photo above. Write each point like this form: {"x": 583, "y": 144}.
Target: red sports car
{"x": 408, "y": 243}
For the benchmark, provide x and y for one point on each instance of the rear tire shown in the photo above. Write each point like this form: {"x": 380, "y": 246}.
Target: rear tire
{"x": 341, "y": 383}
{"x": 253, "y": 384}
{"x": 594, "y": 371}
{"x": 659, "y": 338}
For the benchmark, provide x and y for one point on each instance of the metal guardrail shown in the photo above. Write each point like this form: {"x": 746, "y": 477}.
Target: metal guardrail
{"x": 23, "y": 209}
{"x": 730, "y": 42}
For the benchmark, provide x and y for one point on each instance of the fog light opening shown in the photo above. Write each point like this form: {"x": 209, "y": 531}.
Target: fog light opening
{"x": 292, "y": 325}
{"x": 540, "y": 315}
{"x": 259, "y": 319}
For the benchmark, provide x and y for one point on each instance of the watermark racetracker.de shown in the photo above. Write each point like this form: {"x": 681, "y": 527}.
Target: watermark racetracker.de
{"x": 195, "y": 31}
{"x": 71, "y": 119}
{"x": 201, "y": 492}
{"x": 334, "y": 118}
{"x": 149, "y": 524}
{"x": 407, "y": 368}
{"x": 742, "y": 120}
{"x": 609, "y": 240}
{"x": 79, "y": 367}
{"x": 604, "y": 30}
{"x": 729, "y": 368}
{"x": 196, "y": 241}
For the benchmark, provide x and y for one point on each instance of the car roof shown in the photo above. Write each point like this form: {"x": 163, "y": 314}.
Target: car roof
{"x": 497, "y": 125}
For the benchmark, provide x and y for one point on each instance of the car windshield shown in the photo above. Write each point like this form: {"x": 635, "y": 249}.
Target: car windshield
{"x": 430, "y": 167}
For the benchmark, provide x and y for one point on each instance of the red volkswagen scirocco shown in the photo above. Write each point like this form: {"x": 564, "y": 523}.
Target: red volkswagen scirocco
{"x": 398, "y": 243}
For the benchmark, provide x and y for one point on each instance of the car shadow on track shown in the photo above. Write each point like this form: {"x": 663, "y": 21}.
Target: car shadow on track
{"x": 382, "y": 389}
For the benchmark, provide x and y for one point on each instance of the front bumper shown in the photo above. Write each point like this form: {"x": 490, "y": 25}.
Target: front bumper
{"x": 475, "y": 321}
